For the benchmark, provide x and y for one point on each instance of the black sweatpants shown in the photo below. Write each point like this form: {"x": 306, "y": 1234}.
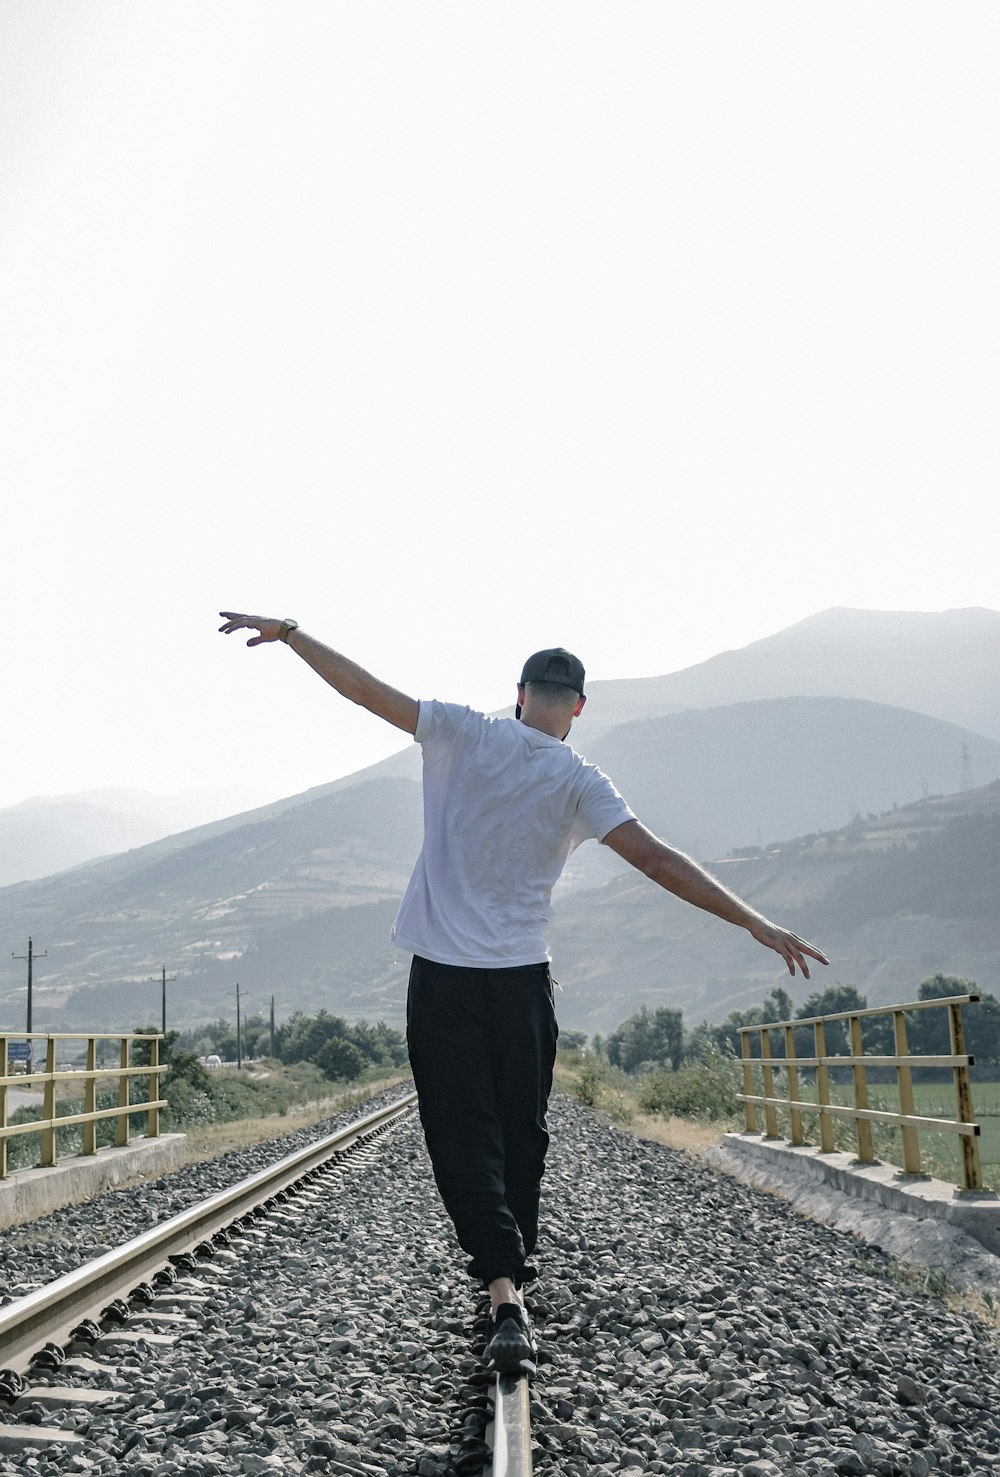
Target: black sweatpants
{"x": 482, "y": 1044}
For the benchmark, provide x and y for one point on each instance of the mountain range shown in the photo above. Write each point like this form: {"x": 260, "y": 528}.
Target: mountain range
{"x": 49, "y": 833}
{"x": 789, "y": 766}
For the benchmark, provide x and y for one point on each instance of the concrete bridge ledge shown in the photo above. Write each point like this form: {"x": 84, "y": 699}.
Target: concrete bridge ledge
{"x": 27, "y": 1194}
{"x": 776, "y": 1164}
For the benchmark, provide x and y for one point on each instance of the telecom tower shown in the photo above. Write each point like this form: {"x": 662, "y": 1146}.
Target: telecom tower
{"x": 966, "y": 782}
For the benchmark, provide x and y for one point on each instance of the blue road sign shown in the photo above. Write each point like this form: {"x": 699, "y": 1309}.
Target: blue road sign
{"x": 19, "y": 1051}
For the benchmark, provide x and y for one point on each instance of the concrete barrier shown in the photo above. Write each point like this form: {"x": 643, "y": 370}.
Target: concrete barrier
{"x": 789, "y": 1169}
{"x": 27, "y": 1194}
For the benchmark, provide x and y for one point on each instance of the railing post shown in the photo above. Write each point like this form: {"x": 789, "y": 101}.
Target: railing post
{"x": 795, "y": 1117}
{"x": 863, "y": 1128}
{"x": 904, "y": 1082}
{"x": 827, "y": 1141}
{"x": 153, "y": 1091}
{"x": 4, "y": 1069}
{"x": 749, "y": 1108}
{"x": 770, "y": 1112}
{"x": 89, "y": 1145}
{"x": 972, "y": 1175}
{"x": 121, "y": 1137}
{"x": 48, "y": 1155}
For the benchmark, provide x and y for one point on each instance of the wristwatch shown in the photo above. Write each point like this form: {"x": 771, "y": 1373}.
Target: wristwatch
{"x": 287, "y": 625}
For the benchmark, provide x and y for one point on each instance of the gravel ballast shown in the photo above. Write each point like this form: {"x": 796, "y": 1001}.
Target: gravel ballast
{"x": 688, "y": 1324}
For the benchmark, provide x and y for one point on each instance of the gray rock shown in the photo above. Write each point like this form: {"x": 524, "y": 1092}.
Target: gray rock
{"x": 909, "y": 1391}
{"x": 848, "y": 1462}
{"x": 689, "y": 1325}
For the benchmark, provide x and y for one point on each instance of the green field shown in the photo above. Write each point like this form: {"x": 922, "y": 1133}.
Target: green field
{"x": 939, "y": 1152}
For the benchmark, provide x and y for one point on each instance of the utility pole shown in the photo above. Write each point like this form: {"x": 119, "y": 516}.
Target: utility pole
{"x": 163, "y": 996}
{"x": 239, "y": 1048}
{"x": 273, "y": 1053}
{"x": 31, "y": 956}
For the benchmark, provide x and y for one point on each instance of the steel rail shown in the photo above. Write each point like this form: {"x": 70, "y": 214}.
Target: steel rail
{"x": 511, "y": 1427}
{"x": 50, "y": 1313}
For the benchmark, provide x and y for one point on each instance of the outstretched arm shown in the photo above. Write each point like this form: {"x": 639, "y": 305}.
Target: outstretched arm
{"x": 687, "y": 880}
{"x": 350, "y": 680}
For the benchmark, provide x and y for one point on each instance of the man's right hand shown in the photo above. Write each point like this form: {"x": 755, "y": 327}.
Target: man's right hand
{"x": 267, "y": 626}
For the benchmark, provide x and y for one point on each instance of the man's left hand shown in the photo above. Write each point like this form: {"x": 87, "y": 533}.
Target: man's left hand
{"x": 791, "y": 948}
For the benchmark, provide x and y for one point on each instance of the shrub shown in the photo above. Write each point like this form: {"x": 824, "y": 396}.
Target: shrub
{"x": 704, "y": 1089}
{"x": 589, "y": 1086}
{"x": 189, "y": 1106}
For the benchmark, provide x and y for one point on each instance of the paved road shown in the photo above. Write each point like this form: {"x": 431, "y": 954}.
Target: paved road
{"x": 17, "y": 1097}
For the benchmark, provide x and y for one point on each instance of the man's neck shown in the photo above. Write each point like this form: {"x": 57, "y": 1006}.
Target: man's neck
{"x": 556, "y": 725}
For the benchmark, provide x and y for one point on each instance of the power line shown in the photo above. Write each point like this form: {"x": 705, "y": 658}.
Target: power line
{"x": 163, "y": 997}
{"x": 31, "y": 956}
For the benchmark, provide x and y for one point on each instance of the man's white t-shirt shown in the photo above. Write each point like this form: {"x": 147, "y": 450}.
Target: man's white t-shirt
{"x": 504, "y": 806}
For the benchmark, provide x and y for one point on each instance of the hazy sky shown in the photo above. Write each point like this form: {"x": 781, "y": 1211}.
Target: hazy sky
{"x": 459, "y": 330}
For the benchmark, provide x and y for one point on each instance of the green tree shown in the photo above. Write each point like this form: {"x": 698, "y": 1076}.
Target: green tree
{"x": 185, "y": 1067}
{"x": 725, "y": 1037}
{"x": 340, "y": 1059}
{"x": 650, "y": 1037}
{"x": 572, "y": 1040}
{"x": 307, "y": 1035}
{"x": 834, "y": 1000}
{"x": 777, "y": 1005}
{"x": 984, "y": 1032}
{"x": 379, "y": 1045}
{"x": 139, "y": 1051}
{"x": 218, "y": 1038}
{"x": 928, "y": 1032}
{"x": 324, "y": 1039}
{"x": 256, "y": 1036}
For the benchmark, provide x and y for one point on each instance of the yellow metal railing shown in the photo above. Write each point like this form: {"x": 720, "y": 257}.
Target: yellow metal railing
{"x": 83, "y": 1080}
{"x": 910, "y": 1124}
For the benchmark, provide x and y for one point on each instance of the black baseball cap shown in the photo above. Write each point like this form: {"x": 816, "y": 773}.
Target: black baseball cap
{"x": 554, "y": 664}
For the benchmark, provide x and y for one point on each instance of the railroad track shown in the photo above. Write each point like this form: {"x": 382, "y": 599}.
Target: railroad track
{"x": 142, "y": 1291}
{"x": 509, "y": 1436}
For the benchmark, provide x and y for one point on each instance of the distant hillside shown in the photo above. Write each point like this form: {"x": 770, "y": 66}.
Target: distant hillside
{"x": 953, "y": 873}
{"x": 716, "y": 778}
{"x": 891, "y": 900}
{"x": 52, "y": 832}
{"x": 201, "y": 904}
{"x": 946, "y": 665}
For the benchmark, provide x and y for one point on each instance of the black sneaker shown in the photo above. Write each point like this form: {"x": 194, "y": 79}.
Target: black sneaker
{"x": 510, "y": 1344}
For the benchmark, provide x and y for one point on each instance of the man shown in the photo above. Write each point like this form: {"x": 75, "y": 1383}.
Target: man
{"x": 505, "y": 803}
